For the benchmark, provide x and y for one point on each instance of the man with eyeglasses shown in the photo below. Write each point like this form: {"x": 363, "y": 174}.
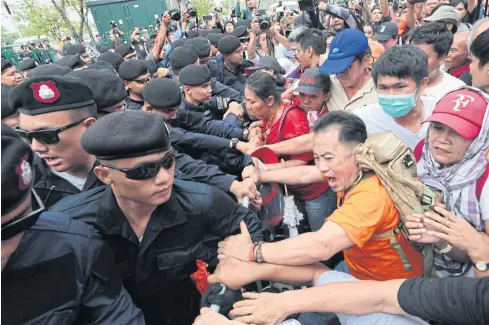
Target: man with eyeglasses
{"x": 55, "y": 270}
{"x": 54, "y": 113}
{"x": 155, "y": 225}
{"x": 109, "y": 91}
{"x": 135, "y": 75}
{"x": 232, "y": 71}
{"x": 10, "y": 76}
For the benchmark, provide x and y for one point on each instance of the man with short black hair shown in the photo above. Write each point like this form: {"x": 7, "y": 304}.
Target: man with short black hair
{"x": 9, "y": 116}
{"x": 435, "y": 40}
{"x": 480, "y": 61}
{"x": 135, "y": 75}
{"x": 310, "y": 45}
{"x": 80, "y": 51}
{"x": 400, "y": 75}
{"x": 54, "y": 112}
{"x": 127, "y": 51}
{"x": 154, "y": 224}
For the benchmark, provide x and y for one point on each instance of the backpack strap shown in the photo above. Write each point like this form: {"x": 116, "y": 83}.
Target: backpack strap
{"x": 479, "y": 185}
{"x": 418, "y": 150}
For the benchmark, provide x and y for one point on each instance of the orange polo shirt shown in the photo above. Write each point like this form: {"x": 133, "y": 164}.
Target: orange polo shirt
{"x": 367, "y": 210}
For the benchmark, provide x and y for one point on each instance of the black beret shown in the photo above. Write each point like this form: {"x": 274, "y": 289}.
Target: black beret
{"x": 162, "y": 93}
{"x": 126, "y": 134}
{"x": 182, "y": 57}
{"x": 104, "y": 49}
{"x": 124, "y": 49}
{"x": 243, "y": 23}
{"x": 192, "y": 34}
{"x": 5, "y": 64}
{"x": 215, "y": 30}
{"x": 194, "y": 75}
{"x": 17, "y": 171}
{"x": 202, "y": 32}
{"x": 49, "y": 70}
{"x": 43, "y": 95}
{"x": 178, "y": 43}
{"x": 6, "y": 108}
{"x": 107, "y": 88}
{"x": 71, "y": 61}
{"x": 228, "y": 44}
{"x": 215, "y": 38}
{"x": 151, "y": 66}
{"x": 102, "y": 65}
{"x": 28, "y": 64}
{"x": 75, "y": 49}
{"x": 241, "y": 32}
{"x": 202, "y": 45}
{"x": 131, "y": 69}
{"x": 113, "y": 58}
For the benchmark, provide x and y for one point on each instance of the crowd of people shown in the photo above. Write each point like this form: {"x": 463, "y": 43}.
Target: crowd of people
{"x": 154, "y": 180}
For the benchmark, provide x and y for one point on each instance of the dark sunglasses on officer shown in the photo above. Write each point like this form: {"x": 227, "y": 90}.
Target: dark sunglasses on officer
{"x": 47, "y": 136}
{"x": 148, "y": 170}
{"x": 23, "y": 222}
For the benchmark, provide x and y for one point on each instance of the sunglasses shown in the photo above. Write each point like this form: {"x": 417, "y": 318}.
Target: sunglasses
{"x": 47, "y": 136}
{"x": 244, "y": 40}
{"x": 148, "y": 170}
{"x": 142, "y": 81}
{"x": 19, "y": 224}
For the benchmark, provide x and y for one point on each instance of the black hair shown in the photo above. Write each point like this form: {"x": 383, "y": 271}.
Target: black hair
{"x": 312, "y": 38}
{"x": 436, "y": 34}
{"x": 455, "y": 3}
{"x": 263, "y": 85}
{"x": 327, "y": 33}
{"x": 352, "y": 128}
{"x": 438, "y": 6}
{"x": 82, "y": 113}
{"x": 480, "y": 48}
{"x": 403, "y": 62}
{"x": 361, "y": 56}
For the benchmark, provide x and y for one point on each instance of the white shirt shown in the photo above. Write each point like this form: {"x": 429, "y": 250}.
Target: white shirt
{"x": 75, "y": 181}
{"x": 378, "y": 121}
{"x": 446, "y": 85}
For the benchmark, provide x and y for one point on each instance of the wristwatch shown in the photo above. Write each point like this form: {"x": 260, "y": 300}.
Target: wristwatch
{"x": 481, "y": 266}
{"x": 233, "y": 143}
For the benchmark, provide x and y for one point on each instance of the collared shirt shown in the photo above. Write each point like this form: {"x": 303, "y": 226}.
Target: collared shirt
{"x": 339, "y": 101}
{"x": 133, "y": 104}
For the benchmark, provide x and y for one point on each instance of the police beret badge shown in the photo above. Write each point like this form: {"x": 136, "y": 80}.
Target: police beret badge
{"x": 24, "y": 171}
{"x": 45, "y": 92}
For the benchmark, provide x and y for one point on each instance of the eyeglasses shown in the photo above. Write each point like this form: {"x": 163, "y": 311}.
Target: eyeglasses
{"x": 19, "y": 224}
{"x": 244, "y": 40}
{"x": 148, "y": 170}
{"x": 142, "y": 81}
{"x": 47, "y": 136}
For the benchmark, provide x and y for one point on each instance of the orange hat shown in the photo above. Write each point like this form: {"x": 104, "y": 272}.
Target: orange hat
{"x": 401, "y": 25}
{"x": 377, "y": 49}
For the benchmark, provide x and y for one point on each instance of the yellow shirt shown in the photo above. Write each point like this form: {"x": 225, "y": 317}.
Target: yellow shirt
{"x": 339, "y": 100}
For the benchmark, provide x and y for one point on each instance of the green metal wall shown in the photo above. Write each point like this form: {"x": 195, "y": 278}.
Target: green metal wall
{"x": 126, "y": 14}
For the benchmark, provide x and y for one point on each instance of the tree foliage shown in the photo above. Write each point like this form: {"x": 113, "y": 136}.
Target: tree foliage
{"x": 204, "y": 7}
{"x": 42, "y": 19}
{"x": 8, "y": 37}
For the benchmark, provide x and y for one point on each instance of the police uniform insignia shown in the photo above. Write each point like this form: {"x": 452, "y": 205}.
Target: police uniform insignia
{"x": 24, "y": 171}
{"x": 45, "y": 92}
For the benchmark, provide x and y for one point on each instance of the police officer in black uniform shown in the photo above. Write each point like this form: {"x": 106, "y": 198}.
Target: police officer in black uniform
{"x": 135, "y": 75}
{"x": 55, "y": 270}
{"x": 232, "y": 71}
{"x": 113, "y": 58}
{"x": 54, "y": 113}
{"x": 186, "y": 55}
{"x": 74, "y": 62}
{"x": 127, "y": 51}
{"x": 109, "y": 91}
{"x": 154, "y": 224}
{"x": 197, "y": 89}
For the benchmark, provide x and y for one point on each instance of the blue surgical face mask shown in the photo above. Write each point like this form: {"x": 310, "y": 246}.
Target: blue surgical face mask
{"x": 397, "y": 105}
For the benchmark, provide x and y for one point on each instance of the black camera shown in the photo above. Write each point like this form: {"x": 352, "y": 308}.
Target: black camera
{"x": 192, "y": 12}
{"x": 174, "y": 14}
{"x": 264, "y": 23}
{"x": 112, "y": 24}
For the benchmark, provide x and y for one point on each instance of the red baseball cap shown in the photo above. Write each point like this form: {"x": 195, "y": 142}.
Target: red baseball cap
{"x": 462, "y": 110}
{"x": 266, "y": 155}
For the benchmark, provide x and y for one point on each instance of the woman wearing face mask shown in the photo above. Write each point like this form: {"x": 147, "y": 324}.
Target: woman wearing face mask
{"x": 400, "y": 75}
{"x": 454, "y": 163}
{"x": 280, "y": 123}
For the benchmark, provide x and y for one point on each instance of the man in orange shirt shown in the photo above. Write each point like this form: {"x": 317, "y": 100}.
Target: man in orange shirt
{"x": 365, "y": 212}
